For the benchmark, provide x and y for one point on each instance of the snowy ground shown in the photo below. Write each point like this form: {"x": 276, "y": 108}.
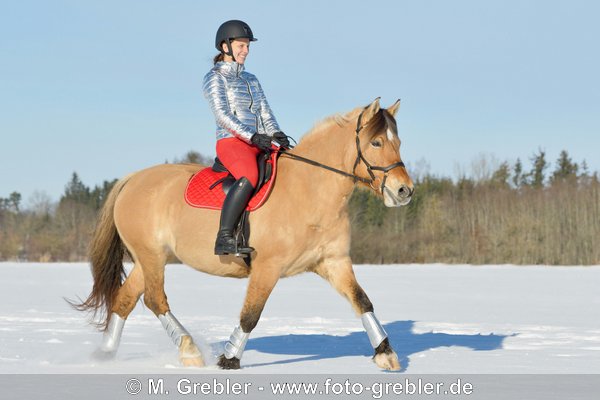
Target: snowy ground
{"x": 440, "y": 319}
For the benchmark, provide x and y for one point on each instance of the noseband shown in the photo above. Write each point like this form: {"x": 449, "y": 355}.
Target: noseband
{"x": 359, "y": 158}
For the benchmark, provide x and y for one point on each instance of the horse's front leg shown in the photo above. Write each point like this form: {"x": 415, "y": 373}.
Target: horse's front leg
{"x": 262, "y": 281}
{"x": 339, "y": 273}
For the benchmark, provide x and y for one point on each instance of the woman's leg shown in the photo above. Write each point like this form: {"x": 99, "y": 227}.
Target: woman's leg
{"x": 240, "y": 159}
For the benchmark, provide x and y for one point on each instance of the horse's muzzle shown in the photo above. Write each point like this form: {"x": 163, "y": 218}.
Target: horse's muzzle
{"x": 398, "y": 198}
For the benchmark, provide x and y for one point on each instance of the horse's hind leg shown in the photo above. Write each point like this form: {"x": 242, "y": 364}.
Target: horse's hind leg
{"x": 125, "y": 300}
{"x": 339, "y": 273}
{"x": 156, "y": 300}
{"x": 130, "y": 292}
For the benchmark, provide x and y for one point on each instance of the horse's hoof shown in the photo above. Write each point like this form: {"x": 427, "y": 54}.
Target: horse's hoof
{"x": 189, "y": 354}
{"x": 228, "y": 363}
{"x": 387, "y": 361}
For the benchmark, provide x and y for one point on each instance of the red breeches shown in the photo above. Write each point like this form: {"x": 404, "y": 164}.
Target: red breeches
{"x": 239, "y": 158}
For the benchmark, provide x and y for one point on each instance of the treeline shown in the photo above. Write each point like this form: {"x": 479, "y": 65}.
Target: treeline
{"x": 499, "y": 213}
{"x": 60, "y": 231}
{"x": 508, "y": 214}
{"x": 51, "y": 232}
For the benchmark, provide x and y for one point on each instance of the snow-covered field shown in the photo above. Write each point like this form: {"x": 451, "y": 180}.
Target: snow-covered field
{"x": 440, "y": 319}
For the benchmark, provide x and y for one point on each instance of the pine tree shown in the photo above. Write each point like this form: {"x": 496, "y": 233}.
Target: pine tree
{"x": 99, "y": 194}
{"x": 15, "y": 200}
{"x": 11, "y": 203}
{"x": 76, "y": 191}
{"x": 518, "y": 174}
{"x": 501, "y": 175}
{"x": 537, "y": 174}
{"x": 566, "y": 169}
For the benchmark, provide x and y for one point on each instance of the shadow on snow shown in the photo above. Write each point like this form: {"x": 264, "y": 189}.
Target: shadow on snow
{"x": 403, "y": 341}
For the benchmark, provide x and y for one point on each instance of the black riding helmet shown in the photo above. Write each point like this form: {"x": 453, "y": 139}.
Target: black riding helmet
{"x": 234, "y": 29}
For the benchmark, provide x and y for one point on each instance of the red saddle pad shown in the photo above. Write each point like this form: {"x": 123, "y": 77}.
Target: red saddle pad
{"x": 198, "y": 192}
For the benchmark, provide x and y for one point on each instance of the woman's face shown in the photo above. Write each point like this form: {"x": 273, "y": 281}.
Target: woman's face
{"x": 240, "y": 49}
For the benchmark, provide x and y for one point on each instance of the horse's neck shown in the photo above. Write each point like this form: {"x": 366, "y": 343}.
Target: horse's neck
{"x": 331, "y": 147}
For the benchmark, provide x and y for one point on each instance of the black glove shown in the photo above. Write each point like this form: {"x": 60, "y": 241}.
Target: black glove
{"x": 261, "y": 141}
{"x": 282, "y": 139}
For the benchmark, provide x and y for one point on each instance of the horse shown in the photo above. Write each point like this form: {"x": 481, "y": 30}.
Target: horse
{"x": 303, "y": 227}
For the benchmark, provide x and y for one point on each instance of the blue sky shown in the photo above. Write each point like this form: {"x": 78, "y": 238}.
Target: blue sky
{"x": 108, "y": 87}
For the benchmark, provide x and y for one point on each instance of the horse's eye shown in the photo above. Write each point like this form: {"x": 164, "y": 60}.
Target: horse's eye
{"x": 376, "y": 143}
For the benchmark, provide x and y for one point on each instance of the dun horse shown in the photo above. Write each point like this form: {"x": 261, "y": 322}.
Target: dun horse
{"x": 304, "y": 226}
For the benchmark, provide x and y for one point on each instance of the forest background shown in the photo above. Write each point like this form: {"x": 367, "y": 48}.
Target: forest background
{"x": 496, "y": 213}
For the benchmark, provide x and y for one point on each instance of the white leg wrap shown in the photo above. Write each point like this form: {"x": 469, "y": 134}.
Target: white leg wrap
{"x": 374, "y": 329}
{"x": 112, "y": 335}
{"x": 236, "y": 344}
{"x": 173, "y": 327}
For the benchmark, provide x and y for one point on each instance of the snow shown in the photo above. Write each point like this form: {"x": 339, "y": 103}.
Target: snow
{"x": 440, "y": 319}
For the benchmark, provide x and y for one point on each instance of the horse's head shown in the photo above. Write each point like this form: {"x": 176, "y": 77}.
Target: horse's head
{"x": 378, "y": 160}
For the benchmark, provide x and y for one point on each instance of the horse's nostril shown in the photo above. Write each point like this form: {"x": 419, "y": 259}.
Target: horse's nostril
{"x": 404, "y": 191}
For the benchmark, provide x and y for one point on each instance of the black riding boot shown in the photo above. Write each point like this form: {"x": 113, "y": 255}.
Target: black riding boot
{"x": 235, "y": 203}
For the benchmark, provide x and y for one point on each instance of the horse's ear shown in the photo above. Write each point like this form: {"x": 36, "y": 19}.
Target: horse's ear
{"x": 371, "y": 110}
{"x": 394, "y": 108}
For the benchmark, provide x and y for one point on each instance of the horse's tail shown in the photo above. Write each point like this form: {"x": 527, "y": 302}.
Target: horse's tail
{"x": 106, "y": 253}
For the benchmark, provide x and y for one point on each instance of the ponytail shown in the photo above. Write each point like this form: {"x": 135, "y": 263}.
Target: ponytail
{"x": 218, "y": 58}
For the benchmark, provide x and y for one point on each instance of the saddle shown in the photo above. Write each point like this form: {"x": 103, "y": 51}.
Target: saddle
{"x": 208, "y": 187}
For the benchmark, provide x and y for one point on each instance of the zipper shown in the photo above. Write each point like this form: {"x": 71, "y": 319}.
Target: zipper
{"x": 251, "y": 103}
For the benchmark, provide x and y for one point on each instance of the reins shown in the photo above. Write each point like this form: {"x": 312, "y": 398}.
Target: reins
{"x": 318, "y": 164}
{"x": 359, "y": 157}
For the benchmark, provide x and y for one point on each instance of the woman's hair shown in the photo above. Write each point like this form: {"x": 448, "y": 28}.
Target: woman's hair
{"x": 218, "y": 58}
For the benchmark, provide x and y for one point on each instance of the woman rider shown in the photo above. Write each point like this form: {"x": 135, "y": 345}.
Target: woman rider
{"x": 245, "y": 125}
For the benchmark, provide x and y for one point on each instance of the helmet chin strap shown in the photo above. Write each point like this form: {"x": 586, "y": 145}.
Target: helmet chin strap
{"x": 230, "y": 50}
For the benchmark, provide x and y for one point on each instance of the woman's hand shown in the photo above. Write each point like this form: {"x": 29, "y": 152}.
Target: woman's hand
{"x": 261, "y": 141}
{"x": 282, "y": 139}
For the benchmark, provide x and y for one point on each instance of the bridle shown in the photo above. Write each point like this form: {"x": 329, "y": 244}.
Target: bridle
{"x": 359, "y": 158}
{"x": 370, "y": 168}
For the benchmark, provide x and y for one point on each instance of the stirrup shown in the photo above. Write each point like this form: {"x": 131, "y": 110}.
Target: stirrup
{"x": 225, "y": 247}
{"x": 244, "y": 252}
{"x": 238, "y": 251}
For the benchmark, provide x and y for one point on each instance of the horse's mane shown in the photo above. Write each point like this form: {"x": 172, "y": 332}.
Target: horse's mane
{"x": 380, "y": 121}
{"x": 336, "y": 119}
